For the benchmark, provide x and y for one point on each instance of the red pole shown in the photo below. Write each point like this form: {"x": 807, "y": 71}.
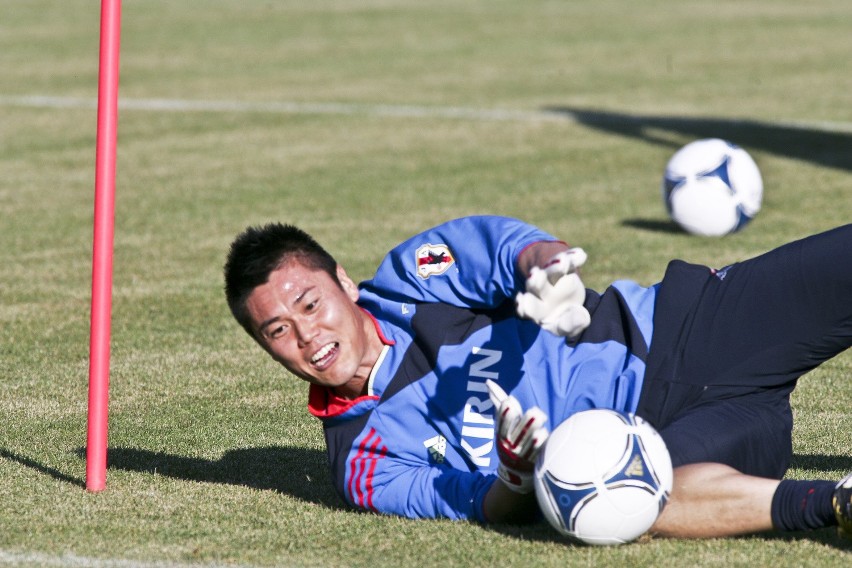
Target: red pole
{"x": 96, "y": 447}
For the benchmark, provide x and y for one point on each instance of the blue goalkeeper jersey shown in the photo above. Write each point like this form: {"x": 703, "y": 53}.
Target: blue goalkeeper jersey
{"x": 420, "y": 443}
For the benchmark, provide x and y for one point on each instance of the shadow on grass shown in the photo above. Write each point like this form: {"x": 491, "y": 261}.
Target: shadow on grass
{"x": 302, "y": 473}
{"x": 542, "y": 532}
{"x": 41, "y": 468}
{"x": 821, "y": 462}
{"x": 823, "y": 147}
{"x": 653, "y": 225}
{"x": 299, "y": 472}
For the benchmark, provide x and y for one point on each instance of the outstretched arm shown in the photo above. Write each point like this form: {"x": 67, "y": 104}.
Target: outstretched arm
{"x": 467, "y": 262}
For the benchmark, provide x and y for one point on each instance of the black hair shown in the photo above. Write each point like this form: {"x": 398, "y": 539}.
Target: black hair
{"x": 258, "y": 251}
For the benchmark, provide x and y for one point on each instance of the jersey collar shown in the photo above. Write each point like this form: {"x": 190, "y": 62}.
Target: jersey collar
{"x": 324, "y": 403}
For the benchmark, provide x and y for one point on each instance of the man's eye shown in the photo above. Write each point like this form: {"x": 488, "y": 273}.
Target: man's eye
{"x": 278, "y": 331}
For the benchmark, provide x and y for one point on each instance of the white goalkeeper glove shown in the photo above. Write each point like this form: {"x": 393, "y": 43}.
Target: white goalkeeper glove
{"x": 520, "y": 437}
{"x": 555, "y": 294}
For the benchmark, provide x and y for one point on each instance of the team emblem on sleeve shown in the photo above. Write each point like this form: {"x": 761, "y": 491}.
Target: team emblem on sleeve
{"x": 433, "y": 259}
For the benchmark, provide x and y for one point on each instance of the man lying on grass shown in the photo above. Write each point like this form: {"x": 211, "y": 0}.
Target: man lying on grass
{"x": 398, "y": 366}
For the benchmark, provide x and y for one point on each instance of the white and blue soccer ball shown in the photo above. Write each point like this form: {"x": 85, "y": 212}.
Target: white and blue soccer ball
{"x": 712, "y": 187}
{"x": 603, "y": 477}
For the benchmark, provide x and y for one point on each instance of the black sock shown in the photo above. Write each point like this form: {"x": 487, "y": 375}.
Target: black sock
{"x": 802, "y": 505}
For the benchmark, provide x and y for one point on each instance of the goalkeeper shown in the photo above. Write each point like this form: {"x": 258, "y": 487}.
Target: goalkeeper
{"x": 436, "y": 381}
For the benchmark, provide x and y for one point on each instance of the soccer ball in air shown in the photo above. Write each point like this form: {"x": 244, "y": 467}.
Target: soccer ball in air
{"x": 712, "y": 187}
{"x": 603, "y": 477}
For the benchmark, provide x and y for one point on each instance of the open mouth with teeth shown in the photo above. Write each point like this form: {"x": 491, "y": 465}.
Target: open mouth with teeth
{"x": 324, "y": 356}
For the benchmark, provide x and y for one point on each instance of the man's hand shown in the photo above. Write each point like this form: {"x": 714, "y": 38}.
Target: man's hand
{"x": 520, "y": 437}
{"x": 555, "y": 294}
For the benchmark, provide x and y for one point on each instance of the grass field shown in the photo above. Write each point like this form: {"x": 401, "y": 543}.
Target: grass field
{"x": 362, "y": 122}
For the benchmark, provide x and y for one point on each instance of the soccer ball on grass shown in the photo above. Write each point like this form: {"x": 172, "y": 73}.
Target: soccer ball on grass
{"x": 603, "y": 477}
{"x": 712, "y": 187}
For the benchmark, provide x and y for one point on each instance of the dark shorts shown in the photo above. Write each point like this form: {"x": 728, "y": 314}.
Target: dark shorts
{"x": 729, "y": 346}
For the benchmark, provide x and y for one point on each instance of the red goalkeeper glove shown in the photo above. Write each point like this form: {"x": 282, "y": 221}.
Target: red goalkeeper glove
{"x": 520, "y": 437}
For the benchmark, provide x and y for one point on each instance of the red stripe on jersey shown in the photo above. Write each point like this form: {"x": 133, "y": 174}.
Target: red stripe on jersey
{"x": 355, "y": 473}
{"x": 372, "y": 468}
{"x": 361, "y": 470}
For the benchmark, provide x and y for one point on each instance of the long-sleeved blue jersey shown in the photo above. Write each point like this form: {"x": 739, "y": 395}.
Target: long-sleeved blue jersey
{"x": 420, "y": 443}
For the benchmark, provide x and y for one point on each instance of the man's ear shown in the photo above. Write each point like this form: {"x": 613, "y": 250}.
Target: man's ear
{"x": 347, "y": 284}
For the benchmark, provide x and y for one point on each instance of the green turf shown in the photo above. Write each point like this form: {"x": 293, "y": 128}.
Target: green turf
{"x": 213, "y": 456}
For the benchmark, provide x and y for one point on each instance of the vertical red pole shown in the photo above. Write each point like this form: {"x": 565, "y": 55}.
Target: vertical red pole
{"x": 96, "y": 447}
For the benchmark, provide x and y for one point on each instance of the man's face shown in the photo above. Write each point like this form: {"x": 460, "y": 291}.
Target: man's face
{"x": 312, "y": 326}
